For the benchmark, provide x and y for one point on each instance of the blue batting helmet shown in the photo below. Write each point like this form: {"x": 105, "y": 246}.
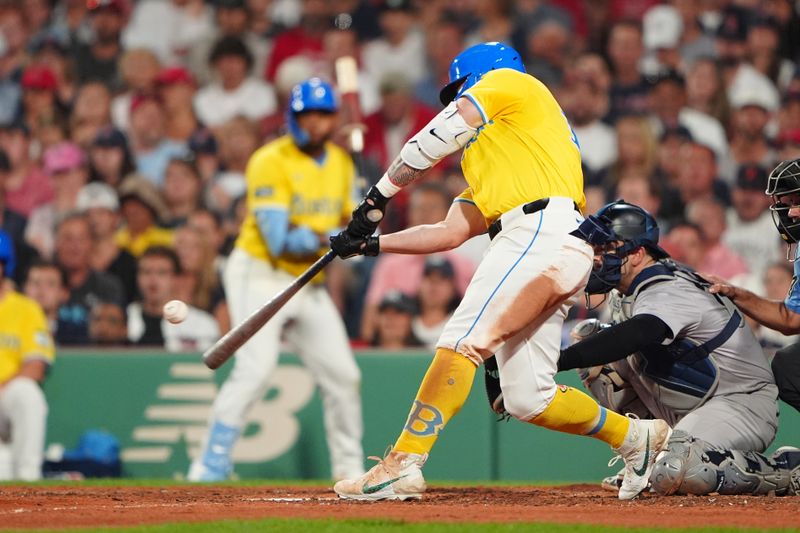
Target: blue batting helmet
{"x": 618, "y": 221}
{"x": 7, "y": 255}
{"x": 469, "y": 66}
{"x": 310, "y": 95}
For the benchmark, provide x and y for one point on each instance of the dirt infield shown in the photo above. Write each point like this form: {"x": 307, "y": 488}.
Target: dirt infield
{"x": 62, "y": 507}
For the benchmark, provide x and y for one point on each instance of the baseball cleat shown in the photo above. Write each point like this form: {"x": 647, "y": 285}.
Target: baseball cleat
{"x": 398, "y": 476}
{"x": 613, "y": 483}
{"x": 644, "y": 441}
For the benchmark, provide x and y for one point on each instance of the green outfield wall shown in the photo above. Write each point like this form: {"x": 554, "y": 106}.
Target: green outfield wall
{"x": 157, "y": 405}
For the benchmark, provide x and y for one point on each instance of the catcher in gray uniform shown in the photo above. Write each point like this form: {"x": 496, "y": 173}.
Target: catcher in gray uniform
{"x": 678, "y": 352}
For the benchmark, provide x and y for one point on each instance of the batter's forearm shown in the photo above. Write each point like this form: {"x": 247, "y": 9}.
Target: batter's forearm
{"x": 424, "y": 239}
{"x": 400, "y": 174}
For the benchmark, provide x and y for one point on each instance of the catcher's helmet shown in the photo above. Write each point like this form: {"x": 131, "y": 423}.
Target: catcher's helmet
{"x": 7, "y": 255}
{"x": 618, "y": 221}
{"x": 310, "y": 95}
{"x": 469, "y": 66}
{"x": 784, "y": 179}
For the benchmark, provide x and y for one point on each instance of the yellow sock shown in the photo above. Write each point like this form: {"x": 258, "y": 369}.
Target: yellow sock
{"x": 572, "y": 411}
{"x": 443, "y": 391}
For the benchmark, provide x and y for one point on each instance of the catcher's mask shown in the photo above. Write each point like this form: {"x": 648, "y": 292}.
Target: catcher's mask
{"x": 783, "y": 180}
{"x": 615, "y": 222}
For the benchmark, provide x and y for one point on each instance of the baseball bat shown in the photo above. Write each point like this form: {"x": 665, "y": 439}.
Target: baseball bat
{"x": 225, "y": 347}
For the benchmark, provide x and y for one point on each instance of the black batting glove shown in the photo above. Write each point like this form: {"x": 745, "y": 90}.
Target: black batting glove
{"x": 368, "y": 214}
{"x": 347, "y": 245}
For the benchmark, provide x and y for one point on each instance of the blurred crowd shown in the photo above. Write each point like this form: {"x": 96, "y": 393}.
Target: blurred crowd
{"x": 126, "y": 127}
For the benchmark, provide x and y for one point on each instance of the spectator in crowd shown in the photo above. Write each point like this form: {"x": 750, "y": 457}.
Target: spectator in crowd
{"x": 789, "y": 114}
{"x": 399, "y": 117}
{"x": 26, "y": 355}
{"x": 46, "y": 284}
{"x": 401, "y": 48}
{"x": 98, "y": 59}
{"x": 109, "y": 158}
{"x": 585, "y": 104}
{"x": 182, "y": 188}
{"x": 495, "y": 22}
{"x": 26, "y": 185}
{"x": 108, "y": 324}
{"x": 12, "y": 61}
{"x": 644, "y": 192}
{"x": 238, "y": 140}
{"x": 752, "y": 111}
{"x": 39, "y": 100}
{"x": 763, "y": 40}
{"x": 437, "y": 298}
{"x": 547, "y": 50}
{"x": 91, "y": 112}
{"x": 65, "y": 163}
{"x": 695, "y": 43}
{"x": 443, "y": 42}
{"x": 232, "y": 19}
{"x": 393, "y": 323}
{"x": 636, "y": 149}
{"x": 705, "y": 89}
{"x": 204, "y": 147}
{"x": 100, "y": 204}
{"x": 629, "y": 90}
{"x": 139, "y": 68}
{"x": 305, "y": 38}
{"x": 150, "y": 147}
{"x": 49, "y": 49}
{"x": 788, "y": 144}
{"x": 199, "y": 283}
{"x": 718, "y": 259}
{"x": 684, "y": 243}
{"x": 142, "y": 208}
{"x": 209, "y": 224}
{"x": 697, "y": 177}
{"x": 158, "y": 268}
{"x": 176, "y": 87}
{"x": 749, "y": 221}
{"x": 234, "y": 91}
{"x": 429, "y": 203}
{"x": 337, "y": 43}
{"x": 86, "y": 286}
{"x": 170, "y": 28}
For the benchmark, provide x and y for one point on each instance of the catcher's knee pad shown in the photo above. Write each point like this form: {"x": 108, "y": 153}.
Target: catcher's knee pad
{"x": 683, "y": 468}
{"x": 612, "y": 391}
{"x": 752, "y": 473}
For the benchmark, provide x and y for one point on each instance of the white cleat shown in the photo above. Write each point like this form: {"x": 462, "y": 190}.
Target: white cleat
{"x": 613, "y": 483}
{"x": 644, "y": 441}
{"x": 398, "y": 476}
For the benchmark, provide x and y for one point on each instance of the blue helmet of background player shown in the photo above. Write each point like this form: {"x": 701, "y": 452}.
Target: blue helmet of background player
{"x": 7, "y": 256}
{"x": 784, "y": 179}
{"x": 469, "y": 66}
{"x": 310, "y": 95}
{"x": 618, "y": 221}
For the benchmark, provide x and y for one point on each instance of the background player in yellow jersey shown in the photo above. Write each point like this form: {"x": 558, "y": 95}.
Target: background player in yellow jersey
{"x": 299, "y": 191}
{"x": 522, "y": 164}
{"x": 26, "y": 352}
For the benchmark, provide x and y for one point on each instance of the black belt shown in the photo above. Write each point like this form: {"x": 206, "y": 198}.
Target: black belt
{"x": 528, "y": 209}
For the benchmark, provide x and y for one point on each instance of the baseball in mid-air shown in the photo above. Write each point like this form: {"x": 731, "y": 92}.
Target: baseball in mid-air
{"x": 175, "y": 311}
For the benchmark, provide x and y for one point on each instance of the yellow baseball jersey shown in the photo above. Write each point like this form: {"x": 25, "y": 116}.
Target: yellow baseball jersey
{"x": 316, "y": 195}
{"x": 524, "y": 151}
{"x": 24, "y": 335}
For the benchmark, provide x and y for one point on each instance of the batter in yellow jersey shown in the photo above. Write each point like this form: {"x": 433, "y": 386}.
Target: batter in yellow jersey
{"x": 24, "y": 335}
{"x": 299, "y": 190}
{"x": 527, "y": 150}
{"x": 315, "y": 194}
{"x": 522, "y": 163}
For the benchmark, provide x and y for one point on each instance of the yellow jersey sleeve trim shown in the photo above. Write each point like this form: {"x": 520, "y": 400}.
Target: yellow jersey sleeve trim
{"x": 476, "y": 104}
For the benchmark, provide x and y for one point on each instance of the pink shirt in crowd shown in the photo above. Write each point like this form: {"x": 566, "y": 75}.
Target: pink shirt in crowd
{"x": 404, "y": 273}
{"x": 723, "y": 262}
{"x": 36, "y": 190}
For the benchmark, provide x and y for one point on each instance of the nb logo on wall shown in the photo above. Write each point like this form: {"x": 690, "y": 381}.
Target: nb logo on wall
{"x": 179, "y": 413}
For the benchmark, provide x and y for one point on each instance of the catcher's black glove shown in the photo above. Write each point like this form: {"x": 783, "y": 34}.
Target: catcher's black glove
{"x": 368, "y": 214}
{"x": 494, "y": 394}
{"x": 345, "y": 244}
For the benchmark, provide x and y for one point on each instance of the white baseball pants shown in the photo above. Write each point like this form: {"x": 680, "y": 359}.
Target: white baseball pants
{"x": 23, "y": 421}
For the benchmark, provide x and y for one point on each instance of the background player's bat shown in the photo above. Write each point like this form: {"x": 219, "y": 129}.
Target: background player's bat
{"x": 347, "y": 80}
{"x": 224, "y": 348}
